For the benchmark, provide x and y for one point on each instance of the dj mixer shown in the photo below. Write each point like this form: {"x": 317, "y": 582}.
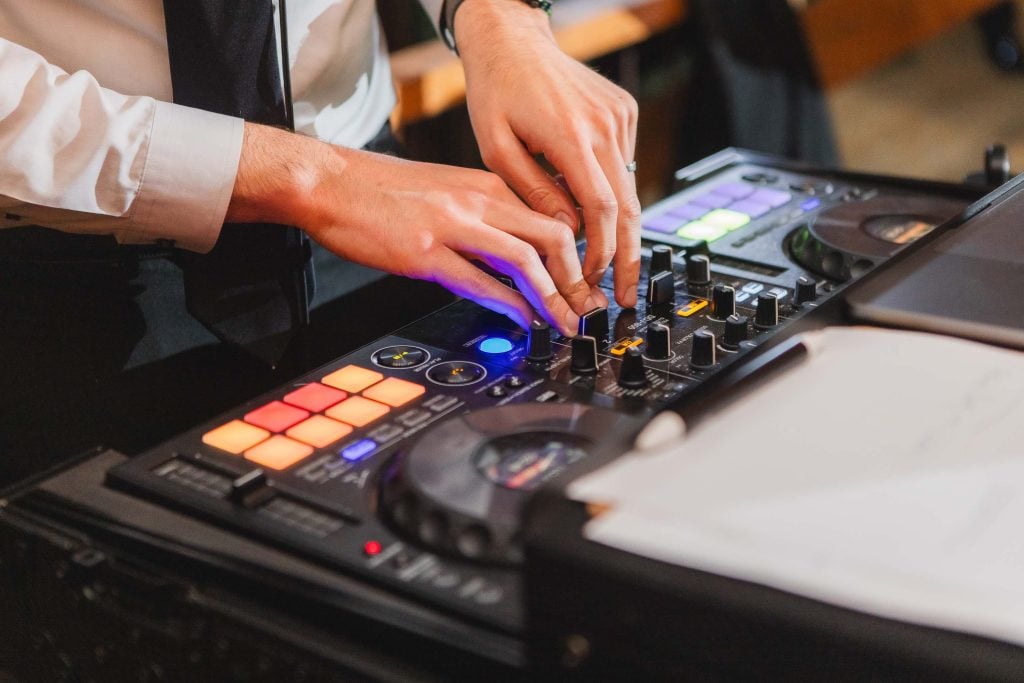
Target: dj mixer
{"x": 407, "y": 463}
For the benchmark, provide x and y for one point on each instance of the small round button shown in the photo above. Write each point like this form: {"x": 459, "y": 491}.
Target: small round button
{"x": 514, "y": 382}
{"x": 495, "y": 346}
{"x": 497, "y": 391}
{"x": 456, "y": 373}
{"x": 400, "y": 357}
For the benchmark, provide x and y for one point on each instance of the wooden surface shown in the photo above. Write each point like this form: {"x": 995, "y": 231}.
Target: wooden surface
{"x": 429, "y": 78}
{"x": 850, "y": 38}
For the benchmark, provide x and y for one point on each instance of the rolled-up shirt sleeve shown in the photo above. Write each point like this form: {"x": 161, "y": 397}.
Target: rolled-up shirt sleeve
{"x": 82, "y": 158}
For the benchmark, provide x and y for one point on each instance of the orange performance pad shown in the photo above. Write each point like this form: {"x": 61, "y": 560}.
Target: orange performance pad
{"x": 352, "y": 378}
{"x": 235, "y": 436}
{"x": 314, "y": 397}
{"x": 395, "y": 392}
{"x": 319, "y": 431}
{"x": 357, "y": 411}
{"x": 276, "y": 416}
{"x": 278, "y": 452}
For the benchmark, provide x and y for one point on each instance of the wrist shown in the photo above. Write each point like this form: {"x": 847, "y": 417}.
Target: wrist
{"x": 278, "y": 173}
{"x": 479, "y": 23}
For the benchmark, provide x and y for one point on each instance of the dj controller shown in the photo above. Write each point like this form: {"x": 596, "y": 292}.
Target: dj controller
{"x": 392, "y": 483}
{"x": 407, "y": 464}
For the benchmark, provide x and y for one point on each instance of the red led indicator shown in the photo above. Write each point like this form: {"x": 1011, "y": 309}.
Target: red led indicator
{"x": 371, "y": 548}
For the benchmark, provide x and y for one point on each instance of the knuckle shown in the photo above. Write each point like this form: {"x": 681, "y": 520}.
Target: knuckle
{"x": 605, "y": 255}
{"x": 630, "y": 209}
{"x": 521, "y": 256}
{"x": 605, "y": 206}
{"x": 494, "y": 185}
{"x": 562, "y": 237}
{"x": 554, "y": 302}
{"x": 424, "y": 242}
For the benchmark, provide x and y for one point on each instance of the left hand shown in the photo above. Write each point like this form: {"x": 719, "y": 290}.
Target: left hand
{"x": 527, "y": 97}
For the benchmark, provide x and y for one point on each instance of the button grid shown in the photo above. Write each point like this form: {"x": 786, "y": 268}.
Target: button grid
{"x": 282, "y": 433}
{"x": 714, "y": 214}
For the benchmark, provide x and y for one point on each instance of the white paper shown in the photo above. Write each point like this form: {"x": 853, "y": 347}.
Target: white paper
{"x": 885, "y": 473}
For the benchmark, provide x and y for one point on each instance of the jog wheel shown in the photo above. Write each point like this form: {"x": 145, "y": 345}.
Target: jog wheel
{"x": 848, "y": 239}
{"x": 460, "y": 488}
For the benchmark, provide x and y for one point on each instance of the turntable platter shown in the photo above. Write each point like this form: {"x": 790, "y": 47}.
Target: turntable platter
{"x": 461, "y": 486}
{"x": 849, "y": 238}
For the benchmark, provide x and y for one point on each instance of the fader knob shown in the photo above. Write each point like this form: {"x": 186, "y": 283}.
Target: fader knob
{"x": 661, "y": 289}
{"x": 633, "y": 372}
{"x": 698, "y": 270}
{"x": 538, "y": 347}
{"x": 767, "y": 314}
{"x": 723, "y": 301}
{"x": 584, "y": 355}
{"x": 702, "y": 353}
{"x": 736, "y": 331}
{"x": 659, "y": 342}
{"x": 661, "y": 260}
{"x": 806, "y": 290}
{"x": 594, "y": 323}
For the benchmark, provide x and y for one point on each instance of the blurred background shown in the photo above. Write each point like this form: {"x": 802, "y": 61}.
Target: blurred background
{"x": 904, "y": 87}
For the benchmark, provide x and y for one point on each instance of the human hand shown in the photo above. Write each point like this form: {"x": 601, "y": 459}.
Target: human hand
{"x": 419, "y": 220}
{"x": 527, "y": 97}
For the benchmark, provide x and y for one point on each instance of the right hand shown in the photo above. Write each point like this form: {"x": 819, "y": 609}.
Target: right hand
{"x": 420, "y": 220}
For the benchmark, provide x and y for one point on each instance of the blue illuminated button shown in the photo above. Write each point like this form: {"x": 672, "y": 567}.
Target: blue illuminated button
{"x": 355, "y": 452}
{"x": 495, "y": 345}
{"x": 811, "y": 204}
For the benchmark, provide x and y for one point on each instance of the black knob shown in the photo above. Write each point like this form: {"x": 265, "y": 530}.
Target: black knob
{"x": 723, "y": 301}
{"x": 806, "y": 290}
{"x": 767, "y": 311}
{"x": 702, "y": 353}
{"x": 698, "y": 270}
{"x": 584, "y": 355}
{"x": 997, "y": 165}
{"x": 633, "y": 373}
{"x": 594, "y": 323}
{"x": 659, "y": 342}
{"x": 736, "y": 331}
{"x": 661, "y": 289}
{"x": 661, "y": 260}
{"x": 538, "y": 347}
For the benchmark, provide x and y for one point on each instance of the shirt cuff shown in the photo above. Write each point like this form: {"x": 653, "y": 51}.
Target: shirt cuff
{"x": 188, "y": 179}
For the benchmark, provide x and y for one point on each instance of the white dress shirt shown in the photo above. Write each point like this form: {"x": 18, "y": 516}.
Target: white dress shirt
{"x": 89, "y": 142}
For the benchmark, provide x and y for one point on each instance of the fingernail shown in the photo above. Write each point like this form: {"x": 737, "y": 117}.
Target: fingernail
{"x": 571, "y": 321}
{"x": 630, "y": 297}
{"x": 599, "y": 297}
{"x": 563, "y": 217}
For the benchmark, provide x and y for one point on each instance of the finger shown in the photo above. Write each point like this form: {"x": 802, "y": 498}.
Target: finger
{"x": 556, "y": 242}
{"x": 627, "y": 229}
{"x": 505, "y": 155}
{"x": 520, "y": 261}
{"x": 590, "y": 186}
{"x": 461, "y": 277}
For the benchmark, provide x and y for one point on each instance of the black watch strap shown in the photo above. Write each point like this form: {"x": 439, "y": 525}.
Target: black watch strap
{"x": 450, "y": 7}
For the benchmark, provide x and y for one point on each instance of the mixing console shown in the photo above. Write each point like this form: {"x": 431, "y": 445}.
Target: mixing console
{"x": 406, "y": 463}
